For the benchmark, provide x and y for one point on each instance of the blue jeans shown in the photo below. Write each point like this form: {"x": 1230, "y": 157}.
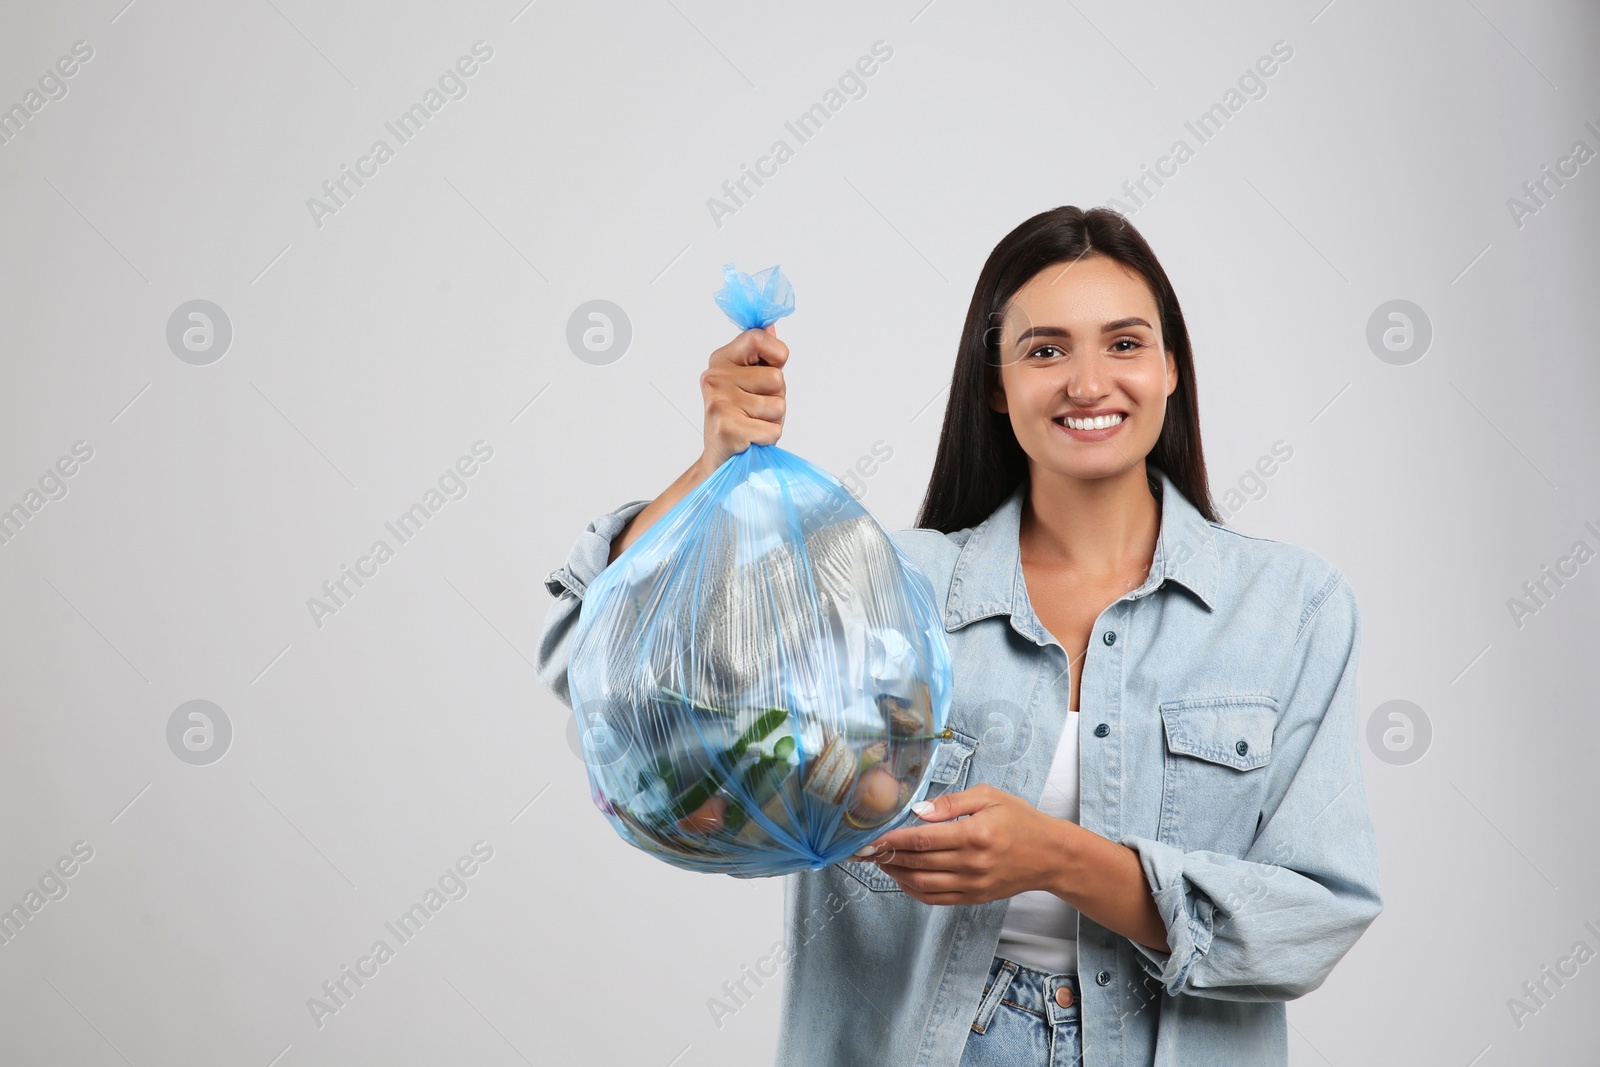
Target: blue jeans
{"x": 1021, "y": 1022}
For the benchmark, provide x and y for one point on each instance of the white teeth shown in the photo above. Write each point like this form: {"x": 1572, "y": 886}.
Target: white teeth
{"x": 1097, "y": 423}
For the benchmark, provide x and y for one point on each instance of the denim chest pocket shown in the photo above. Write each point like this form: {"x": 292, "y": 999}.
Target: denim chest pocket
{"x": 1214, "y": 777}
{"x": 952, "y": 763}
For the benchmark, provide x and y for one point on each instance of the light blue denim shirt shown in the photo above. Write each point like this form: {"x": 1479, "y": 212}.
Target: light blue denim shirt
{"x": 1219, "y": 727}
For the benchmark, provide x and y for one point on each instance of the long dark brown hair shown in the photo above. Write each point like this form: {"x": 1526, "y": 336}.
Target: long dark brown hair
{"x": 979, "y": 462}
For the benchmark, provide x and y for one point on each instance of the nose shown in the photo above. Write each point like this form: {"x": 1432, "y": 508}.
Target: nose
{"x": 1085, "y": 382}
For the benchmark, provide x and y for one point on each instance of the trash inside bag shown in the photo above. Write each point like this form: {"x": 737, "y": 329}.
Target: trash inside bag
{"x": 761, "y": 680}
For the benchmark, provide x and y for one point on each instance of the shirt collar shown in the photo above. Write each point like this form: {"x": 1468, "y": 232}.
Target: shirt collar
{"x": 987, "y": 579}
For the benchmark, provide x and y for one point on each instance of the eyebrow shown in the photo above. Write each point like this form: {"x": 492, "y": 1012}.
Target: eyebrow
{"x": 1057, "y": 331}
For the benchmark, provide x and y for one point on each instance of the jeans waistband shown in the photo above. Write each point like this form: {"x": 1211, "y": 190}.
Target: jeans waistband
{"x": 1031, "y": 990}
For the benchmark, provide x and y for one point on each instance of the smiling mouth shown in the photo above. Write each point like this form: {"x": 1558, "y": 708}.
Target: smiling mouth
{"x": 1099, "y": 422}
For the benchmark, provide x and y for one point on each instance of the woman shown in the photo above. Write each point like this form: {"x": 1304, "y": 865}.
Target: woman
{"x": 1149, "y": 829}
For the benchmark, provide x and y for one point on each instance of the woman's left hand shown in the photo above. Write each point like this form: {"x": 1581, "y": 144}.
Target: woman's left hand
{"x": 1004, "y": 847}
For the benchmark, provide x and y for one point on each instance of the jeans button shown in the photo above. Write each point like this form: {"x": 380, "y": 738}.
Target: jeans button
{"x": 1103, "y": 978}
{"x": 1064, "y": 997}
{"x": 1111, "y": 637}
{"x": 1102, "y": 730}
{"x": 1242, "y": 747}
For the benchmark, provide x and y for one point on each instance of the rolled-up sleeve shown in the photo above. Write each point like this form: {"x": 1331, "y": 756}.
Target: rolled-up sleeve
{"x": 588, "y": 557}
{"x": 1271, "y": 925}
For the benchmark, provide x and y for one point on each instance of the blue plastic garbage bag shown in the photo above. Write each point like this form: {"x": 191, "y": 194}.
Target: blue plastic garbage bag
{"x": 761, "y": 680}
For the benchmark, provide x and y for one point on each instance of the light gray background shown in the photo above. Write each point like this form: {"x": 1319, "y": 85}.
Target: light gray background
{"x": 431, "y": 312}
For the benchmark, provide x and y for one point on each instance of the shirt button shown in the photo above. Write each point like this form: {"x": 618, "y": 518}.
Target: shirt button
{"x": 1242, "y": 747}
{"x": 1111, "y": 637}
{"x": 1104, "y": 978}
{"x": 1064, "y": 997}
{"x": 1102, "y": 730}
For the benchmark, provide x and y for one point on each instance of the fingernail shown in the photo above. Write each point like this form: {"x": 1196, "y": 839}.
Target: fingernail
{"x": 866, "y": 850}
{"x": 922, "y": 807}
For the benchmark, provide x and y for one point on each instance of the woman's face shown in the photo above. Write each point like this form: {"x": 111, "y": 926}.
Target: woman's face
{"x": 1082, "y": 340}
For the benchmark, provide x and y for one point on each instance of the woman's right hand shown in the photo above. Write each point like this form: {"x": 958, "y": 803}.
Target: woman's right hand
{"x": 743, "y": 391}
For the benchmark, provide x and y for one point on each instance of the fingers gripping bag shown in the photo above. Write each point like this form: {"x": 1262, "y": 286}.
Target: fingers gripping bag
{"x": 761, "y": 679}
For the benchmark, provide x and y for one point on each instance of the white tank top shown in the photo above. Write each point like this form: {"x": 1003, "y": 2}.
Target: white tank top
{"x": 1040, "y": 929}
